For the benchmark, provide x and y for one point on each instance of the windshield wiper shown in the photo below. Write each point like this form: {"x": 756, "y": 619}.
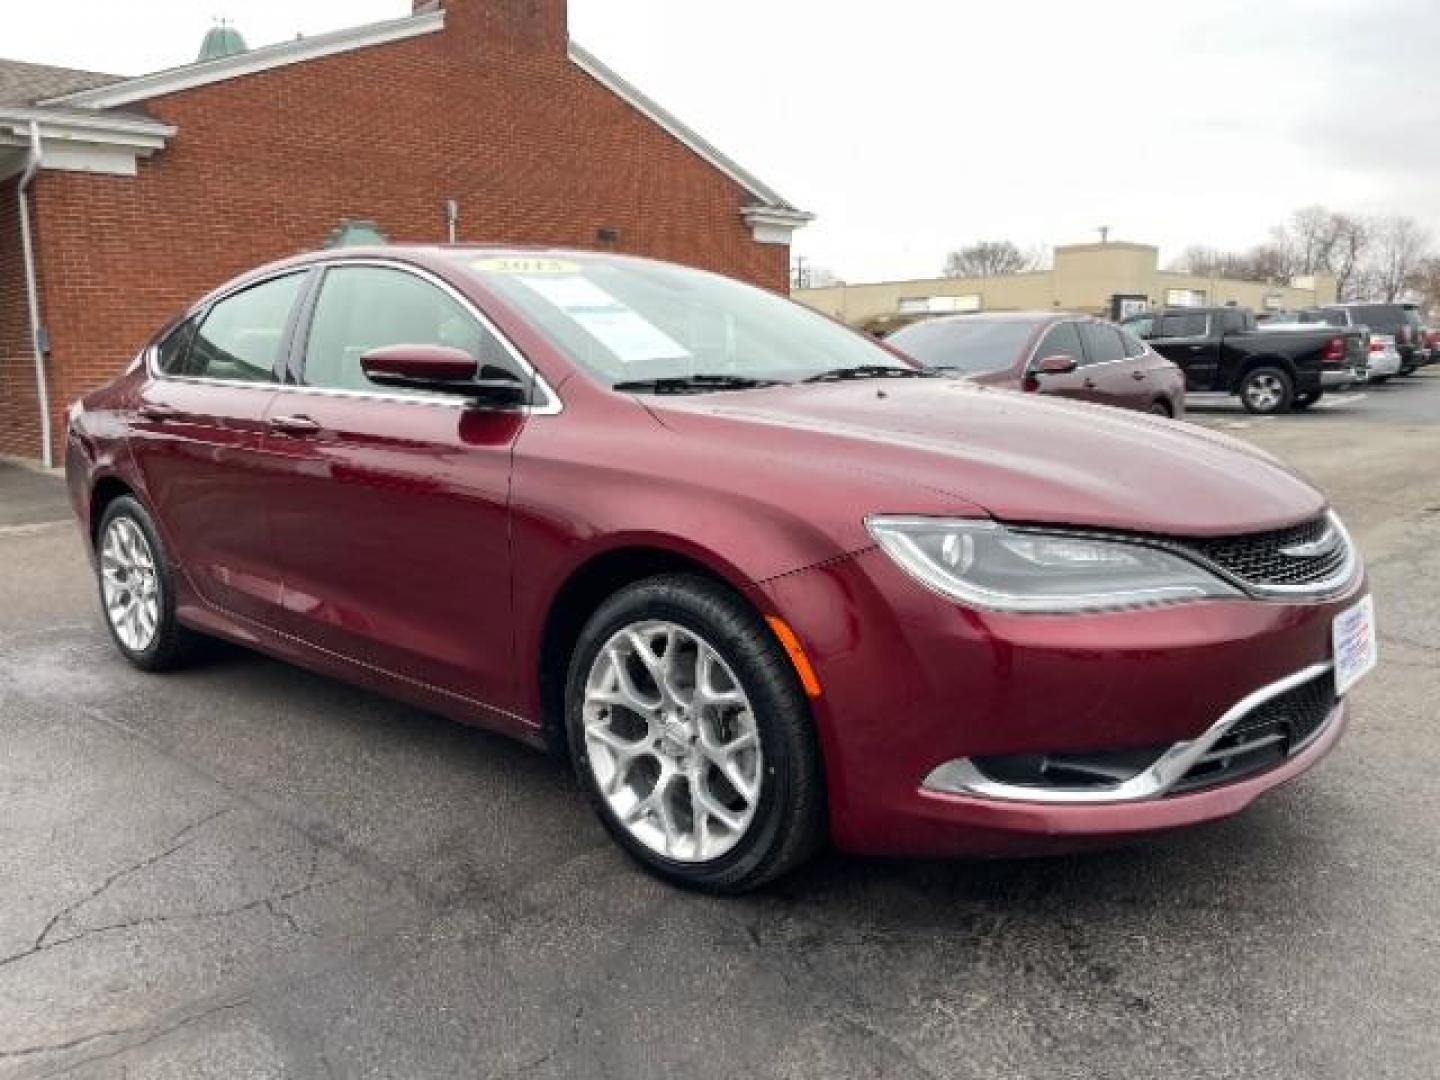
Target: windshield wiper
{"x": 869, "y": 371}
{"x": 692, "y": 384}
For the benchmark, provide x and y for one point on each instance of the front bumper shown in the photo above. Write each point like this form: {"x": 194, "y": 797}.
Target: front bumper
{"x": 911, "y": 682}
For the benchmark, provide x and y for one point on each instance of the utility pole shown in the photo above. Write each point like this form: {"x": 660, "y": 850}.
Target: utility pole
{"x": 1104, "y": 232}
{"x": 800, "y": 278}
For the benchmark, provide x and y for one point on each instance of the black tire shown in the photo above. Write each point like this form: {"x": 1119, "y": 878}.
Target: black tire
{"x": 1380, "y": 380}
{"x": 1304, "y": 401}
{"x": 788, "y": 825}
{"x": 1159, "y": 408}
{"x": 171, "y": 645}
{"x": 1278, "y": 390}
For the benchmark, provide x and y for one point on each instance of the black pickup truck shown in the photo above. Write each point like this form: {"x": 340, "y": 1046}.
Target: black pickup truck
{"x": 1272, "y": 371}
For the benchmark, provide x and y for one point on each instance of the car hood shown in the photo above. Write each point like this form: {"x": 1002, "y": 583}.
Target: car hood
{"x": 1018, "y": 457}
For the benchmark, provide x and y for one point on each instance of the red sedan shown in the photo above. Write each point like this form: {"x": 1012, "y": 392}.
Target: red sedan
{"x": 1070, "y": 356}
{"x": 765, "y": 583}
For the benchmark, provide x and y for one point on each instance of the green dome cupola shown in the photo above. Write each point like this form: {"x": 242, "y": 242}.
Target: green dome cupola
{"x": 222, "y": 40}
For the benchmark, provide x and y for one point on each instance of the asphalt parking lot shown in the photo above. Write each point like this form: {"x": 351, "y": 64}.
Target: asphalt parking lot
{"x": 247, "y": 871}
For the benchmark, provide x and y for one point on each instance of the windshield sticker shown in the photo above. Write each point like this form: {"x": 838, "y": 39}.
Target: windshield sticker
{"x": 632, "y": 338}
{"x": 526, "y": 266}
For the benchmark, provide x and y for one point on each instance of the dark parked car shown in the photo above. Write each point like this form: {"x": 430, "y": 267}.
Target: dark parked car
{"x": 1272, "y": 371}
{"x": 1070, "y": 356}
{"x": 764, "y": 581}
{"x": 1397, "y": 323}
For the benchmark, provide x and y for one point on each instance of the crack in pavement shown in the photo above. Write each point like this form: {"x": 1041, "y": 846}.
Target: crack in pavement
{"x": 182, "y": 839}
{"x": 270, "y": 903}
{"x": 152, "y": 1035}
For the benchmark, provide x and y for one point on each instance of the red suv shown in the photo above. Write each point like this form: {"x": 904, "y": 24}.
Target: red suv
{"x": 765, "y": 582}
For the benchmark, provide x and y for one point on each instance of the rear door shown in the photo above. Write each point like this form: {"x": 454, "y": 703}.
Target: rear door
{"x": 1186, "y": 339}
{"x": 198, "y": 442}
{"x": 1112, "y": 377}
{"x": 390, "y": 512}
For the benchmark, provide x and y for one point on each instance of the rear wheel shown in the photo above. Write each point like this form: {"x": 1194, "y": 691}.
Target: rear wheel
{"x": 692, "y": 737}
{"x": 1159, "y": 408}
{"x": 1380, "y": 380}
{"x": 137, "y": 589}
{"x": 1304, "y": 401}
{"x": 1266, "y": 391}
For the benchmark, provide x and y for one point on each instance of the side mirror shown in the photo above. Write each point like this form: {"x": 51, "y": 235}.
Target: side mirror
{"x": 440, "y": 369}
{"x": 1059, "y": 364}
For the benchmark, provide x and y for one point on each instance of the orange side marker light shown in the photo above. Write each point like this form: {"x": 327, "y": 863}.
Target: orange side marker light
{"x": 796, "y": 652}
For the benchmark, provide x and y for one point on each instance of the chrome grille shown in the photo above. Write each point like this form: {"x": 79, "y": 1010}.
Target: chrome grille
{"x": 1261, "y": 559}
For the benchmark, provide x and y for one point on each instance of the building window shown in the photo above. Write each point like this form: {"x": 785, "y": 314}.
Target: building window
{"x": 1185, "y": 297}
{"x": 939, "y": 305}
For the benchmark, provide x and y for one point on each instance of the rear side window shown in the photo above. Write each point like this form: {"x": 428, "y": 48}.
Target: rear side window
{"x": 241, "y": 337}
{"x": 1061, "y": 340}
{"x": 1102, "y": 343}
{"x": 1188, "y": 325}
{"x": 370, "y": 307}
{"x": 1134, "y": 347}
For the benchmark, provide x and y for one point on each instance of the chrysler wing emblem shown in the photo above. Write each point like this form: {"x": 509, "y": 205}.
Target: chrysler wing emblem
{"x": 1329, "y": 540}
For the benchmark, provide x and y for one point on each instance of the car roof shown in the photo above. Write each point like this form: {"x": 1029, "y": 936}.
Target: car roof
{"x": 1003, "y": 317}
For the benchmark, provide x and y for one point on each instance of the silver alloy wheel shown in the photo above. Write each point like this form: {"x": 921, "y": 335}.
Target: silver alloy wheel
{"x": 130, "y": 584}
{"x": 672, "y": 741}
{"x": 1264, "y": 392}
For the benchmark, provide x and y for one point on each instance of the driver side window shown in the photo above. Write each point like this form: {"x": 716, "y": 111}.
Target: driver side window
{"x": 362, "y": 308}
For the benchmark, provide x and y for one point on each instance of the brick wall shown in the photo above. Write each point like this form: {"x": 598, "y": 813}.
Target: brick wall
{"x": 491, "y": 114}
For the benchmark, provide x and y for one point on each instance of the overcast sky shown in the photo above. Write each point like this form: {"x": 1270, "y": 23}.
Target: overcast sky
{"x": 914, "y": 126}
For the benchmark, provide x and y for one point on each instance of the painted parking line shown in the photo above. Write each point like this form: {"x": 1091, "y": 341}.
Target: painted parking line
{"x": 7, "y": 531}
{"x": 1332, "y": 400}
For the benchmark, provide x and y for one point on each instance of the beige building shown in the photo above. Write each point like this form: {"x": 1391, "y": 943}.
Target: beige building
{"x": 1102, "y": 279}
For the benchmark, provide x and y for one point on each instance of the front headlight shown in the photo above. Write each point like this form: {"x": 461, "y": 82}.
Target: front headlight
{"x": 988, "y": 565}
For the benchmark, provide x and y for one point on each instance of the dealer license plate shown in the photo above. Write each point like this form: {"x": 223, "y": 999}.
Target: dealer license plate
{"x": 1357, "y": 649}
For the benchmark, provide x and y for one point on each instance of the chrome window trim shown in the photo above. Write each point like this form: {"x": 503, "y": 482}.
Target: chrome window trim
{"x": 553, "y": 404}
{"x": 963, "y": 777}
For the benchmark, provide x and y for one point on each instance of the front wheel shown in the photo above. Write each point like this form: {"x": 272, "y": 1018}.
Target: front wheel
{"x": 1267, "y": 391}
{"x": 693, "y": 738}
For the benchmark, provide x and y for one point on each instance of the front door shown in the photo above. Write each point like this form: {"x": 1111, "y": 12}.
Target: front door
{"x": 1063, "y": 339}
{"x": 199, "y": 439}
{"x": 391, "y": 514}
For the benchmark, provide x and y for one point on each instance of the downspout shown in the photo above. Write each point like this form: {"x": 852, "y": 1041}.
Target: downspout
{"x": 32, "y": 292}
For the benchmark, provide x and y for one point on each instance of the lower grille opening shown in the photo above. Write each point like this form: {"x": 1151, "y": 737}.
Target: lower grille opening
{"x": 1079, "y": 771}
{"x": 1266, "y": 736}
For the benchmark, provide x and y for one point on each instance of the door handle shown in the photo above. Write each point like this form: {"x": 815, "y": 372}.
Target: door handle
{"x": 1089, "y": 384}
{"x": 296, "y": 427}
{"x": 159, "y": 411}
{"x": 1138, "y": 376}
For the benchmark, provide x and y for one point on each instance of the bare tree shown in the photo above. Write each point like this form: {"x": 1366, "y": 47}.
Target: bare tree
{"x": 1266, "y": 262}
{"x": 989, "y": 258}
{"x": 1425, "y": 281}
{"x": 1400, "y": 244}
{"x": 1347, "y": 257}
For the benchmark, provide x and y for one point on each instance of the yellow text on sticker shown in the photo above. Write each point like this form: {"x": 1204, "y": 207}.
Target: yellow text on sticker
{"x": 529, "y": 267}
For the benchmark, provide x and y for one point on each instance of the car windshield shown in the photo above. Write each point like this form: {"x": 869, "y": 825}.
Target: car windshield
{"x": 971, "y": 346}
{"x": 645, "y": 325}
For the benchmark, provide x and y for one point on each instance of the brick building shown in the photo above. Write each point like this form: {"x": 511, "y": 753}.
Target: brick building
{"x": 144, "y": 192}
